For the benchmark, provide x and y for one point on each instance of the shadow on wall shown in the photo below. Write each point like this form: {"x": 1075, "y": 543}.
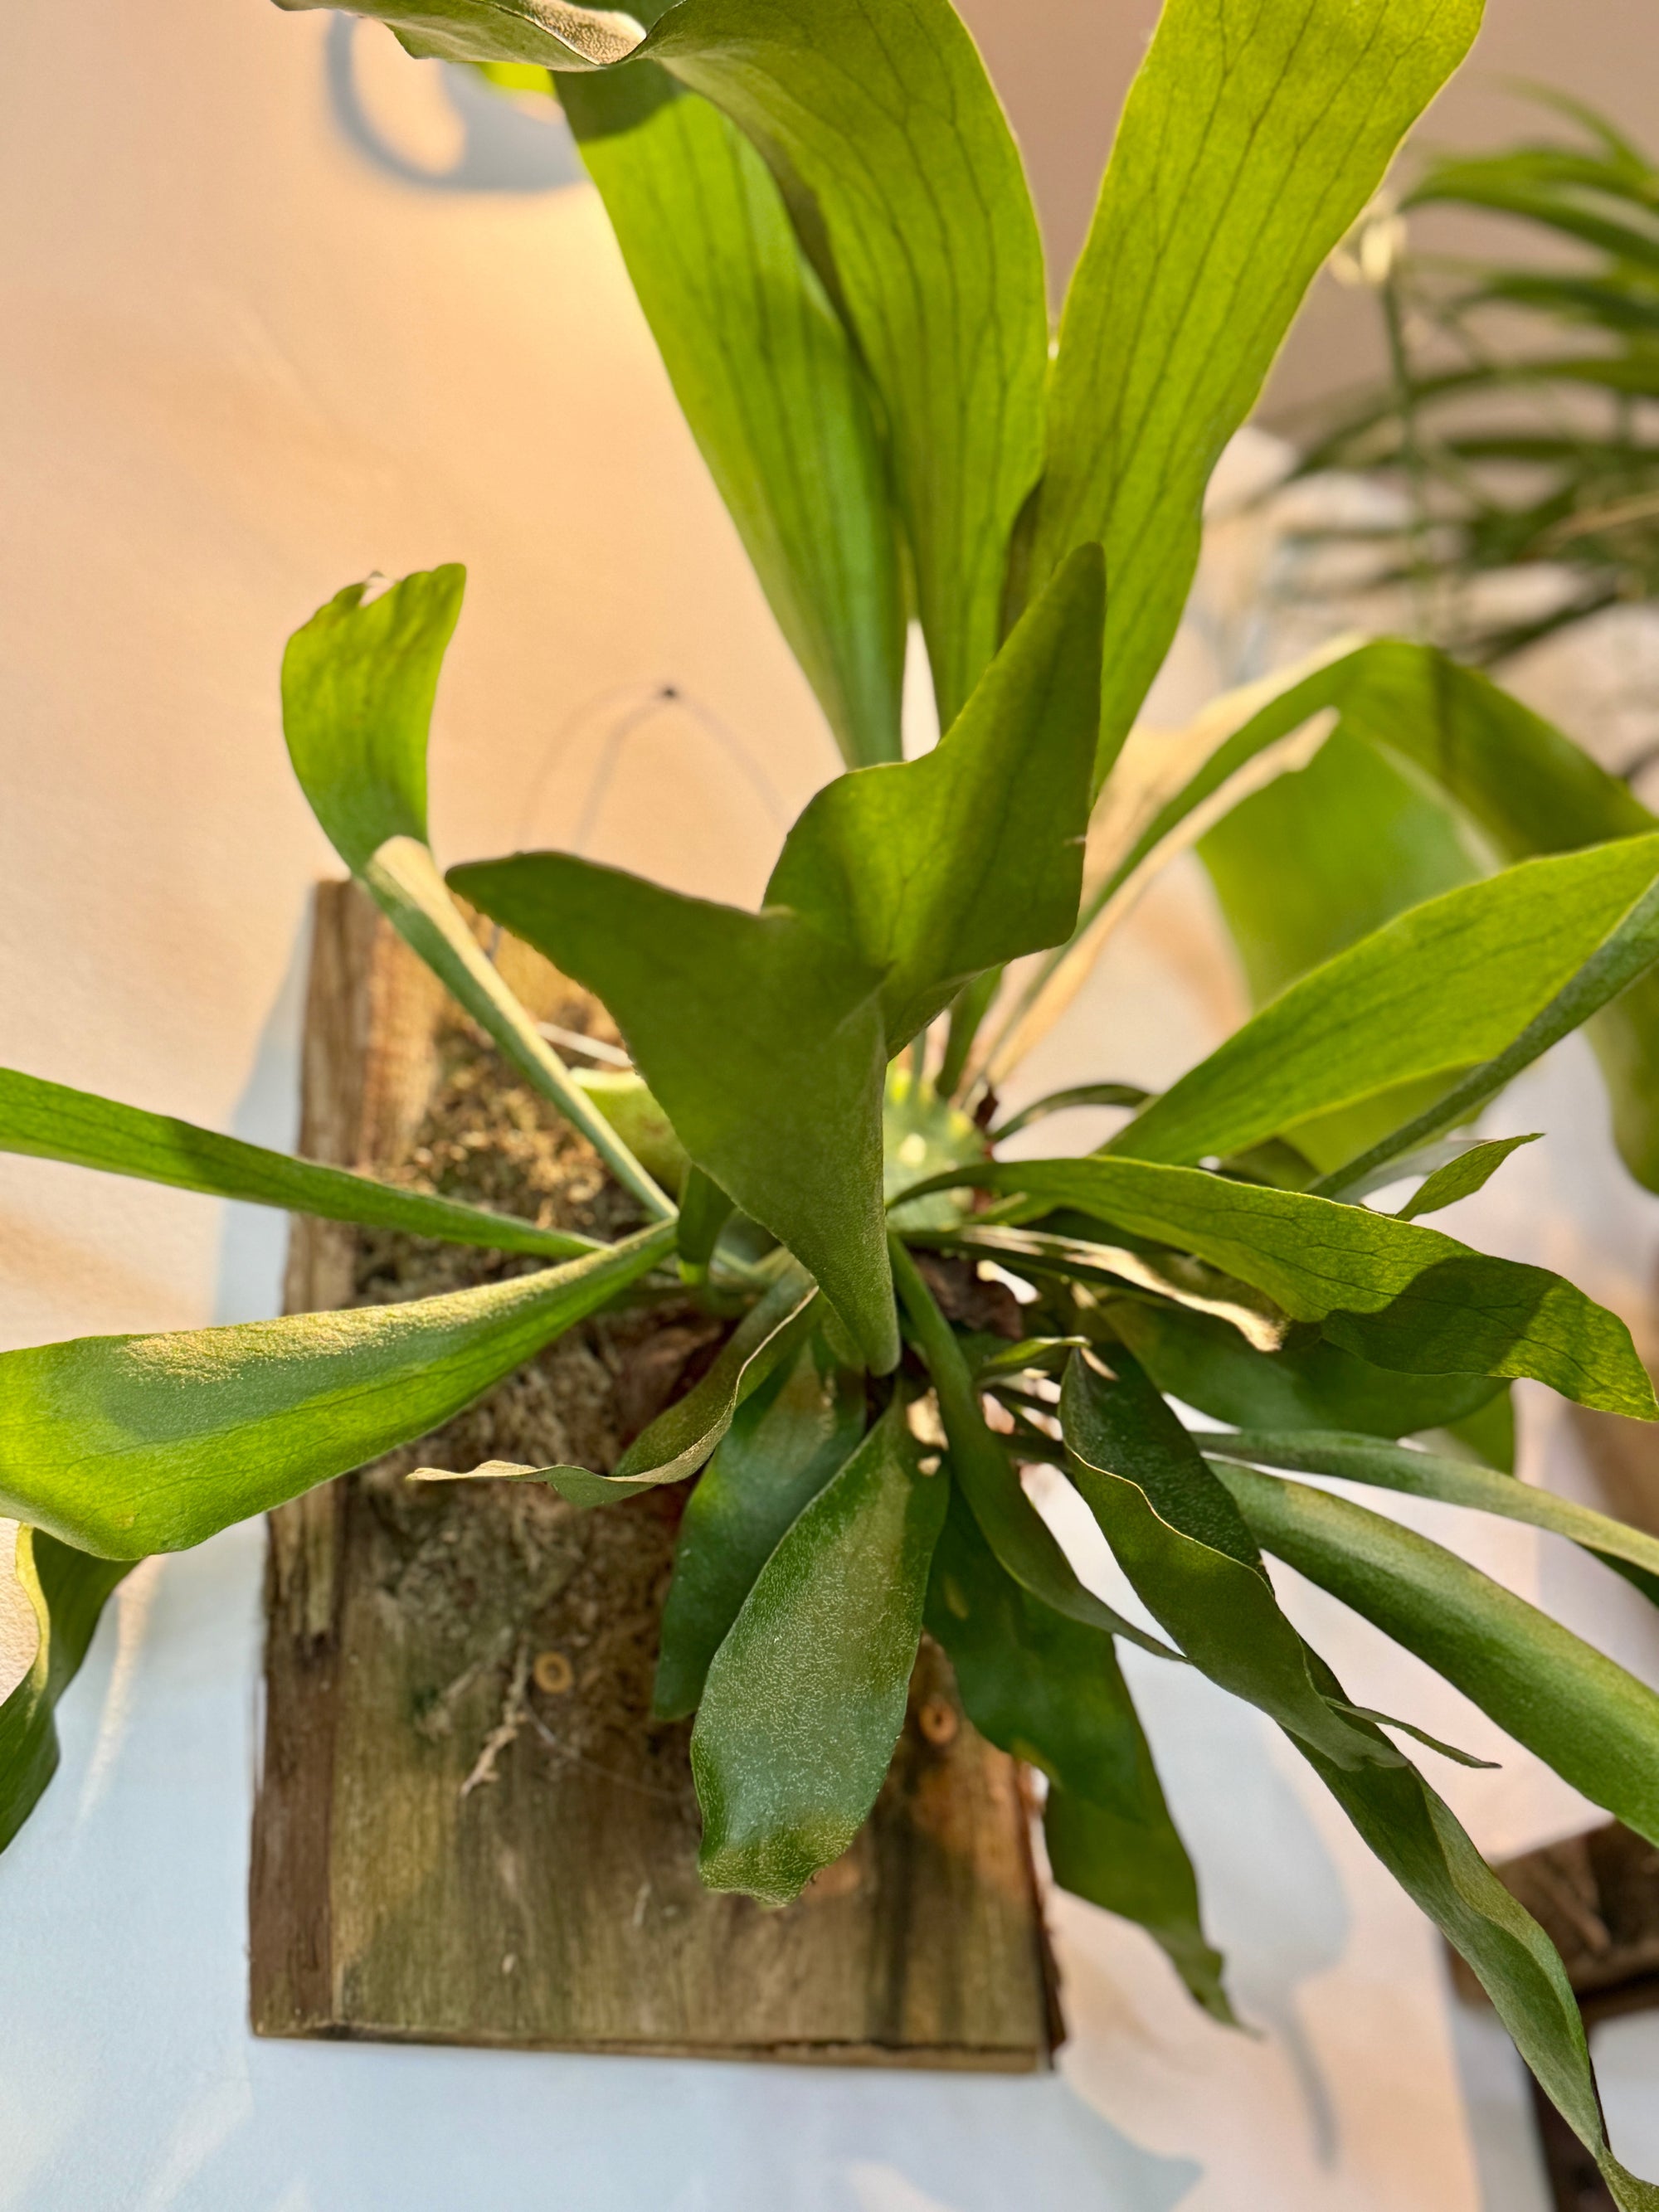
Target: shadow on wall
{"x": 505, "y": 147}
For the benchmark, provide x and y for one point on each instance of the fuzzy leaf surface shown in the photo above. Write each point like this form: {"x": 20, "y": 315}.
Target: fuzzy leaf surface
{"x": 805, "y": 1698}
{"x": 125, "y": 1445}
{"x": 784, "y": 1444}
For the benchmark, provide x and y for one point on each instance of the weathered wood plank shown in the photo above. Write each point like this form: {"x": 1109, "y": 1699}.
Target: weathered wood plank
{"x": 468, "y": 1827}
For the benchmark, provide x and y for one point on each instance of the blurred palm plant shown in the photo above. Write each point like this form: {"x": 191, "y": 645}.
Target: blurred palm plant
{"x": 1518, "y": 420}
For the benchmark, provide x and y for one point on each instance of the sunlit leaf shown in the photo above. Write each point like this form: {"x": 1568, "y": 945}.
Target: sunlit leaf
{"x": 804, "y": 1699}
{"x": 358, "y": 683}
{"x": 65, "y": 1590}
{"x": 1452, "y": 982}
{"x": 1615, "y": 979}
{"x": 946, "y": 866}
{"x": 124, "y": 1445}
{"x": 676, "y": 1445}
{"x": 1250, "y": 140}
{"x": 905, "y": 183}
{"x": 768, "y": 378}
{"x": 548, "y": 33}
{"x": 1394, "y": 1292}
{"x": 1460, "y": 1178}
{"x": 1521, "y": 787}
{"x": 1325, "y": 855}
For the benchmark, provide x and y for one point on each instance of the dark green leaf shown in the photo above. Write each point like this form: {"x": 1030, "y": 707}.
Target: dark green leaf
{"x": 1146, "y": 1266}
{"x": 938, "y": 868}
{"x": 1137, "y": 1868}
{"x": 1596, "y": 1724}
{"x": 705, "y": 1209}
{"x": 762, "y": 1037}
{"x": 1452, "y": 1482}
{"x": 1450, "y": 981}
{"x": 66, "y": 1591}
{"x": 783, "y": 1445}
{"x": 1022, "y": 1540}
{"x": 1397, "y": 1294}
{"x": 1251, "y": 139}
{"x": 973, "y": 1003}
{"x": 882, "y": 126}
{"x": 1489, "y": 1432}
{"x": 1049, "y": 1691}
{"x": 769, "y": 380}
{"x": 1176, "y": 1534}
{"x": 1046, "y": 1689}
{"x": 1418, "y": 1838}
{"x": 806, "y": 1698}
{"x": 1204, "y": 1362}
{"x": 54, "y": 1122}
{"x": 358, "y": 683}
{"x": 124, "y": 1445}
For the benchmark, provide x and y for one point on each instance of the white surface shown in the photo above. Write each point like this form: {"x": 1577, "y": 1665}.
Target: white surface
{"x": 246, "y": 365}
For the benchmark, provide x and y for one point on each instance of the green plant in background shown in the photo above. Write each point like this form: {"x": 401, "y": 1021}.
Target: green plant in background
{"x": 824, "y": 212}
{"x": 1517, "y": 419}
{"x": 1517, "y": 429}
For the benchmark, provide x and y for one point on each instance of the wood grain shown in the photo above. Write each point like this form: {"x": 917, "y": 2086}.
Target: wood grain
{"x": 411, "y": 1882}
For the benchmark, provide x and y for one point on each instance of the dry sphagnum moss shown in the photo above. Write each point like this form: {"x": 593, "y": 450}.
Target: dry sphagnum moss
{"x": 539, "y": 1621}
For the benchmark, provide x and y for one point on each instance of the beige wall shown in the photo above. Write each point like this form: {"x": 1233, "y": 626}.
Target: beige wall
{"x": 1063, "y": 67}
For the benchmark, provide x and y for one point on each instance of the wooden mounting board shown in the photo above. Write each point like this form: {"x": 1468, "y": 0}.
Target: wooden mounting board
{"x": 557, "y": 1905}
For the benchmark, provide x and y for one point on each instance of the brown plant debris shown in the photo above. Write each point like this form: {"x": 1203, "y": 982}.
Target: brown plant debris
{"x": 536, "y": 1621}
